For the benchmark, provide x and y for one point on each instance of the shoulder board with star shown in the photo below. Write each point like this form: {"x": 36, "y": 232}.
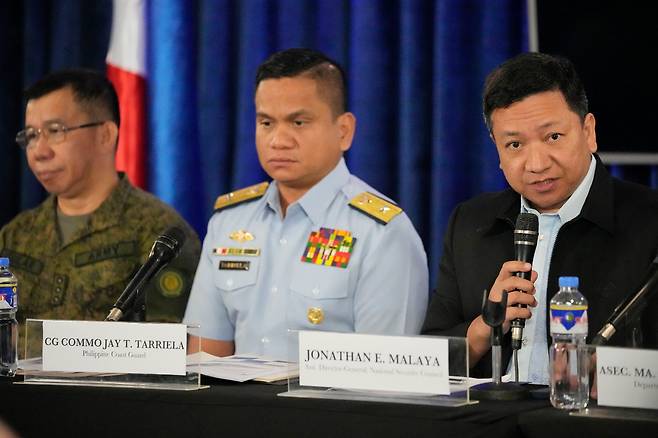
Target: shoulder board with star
{"x": 239, "y": 196}
{"x": 377, "y": 208}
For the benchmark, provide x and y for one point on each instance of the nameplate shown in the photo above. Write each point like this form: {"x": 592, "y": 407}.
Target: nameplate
{"x": 627, "y": 377}
{"x": 114, "y": 347}
{"x": 373, "y": 362}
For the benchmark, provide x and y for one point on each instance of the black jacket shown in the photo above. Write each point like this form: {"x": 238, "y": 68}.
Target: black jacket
{"x": 610, "y": 246}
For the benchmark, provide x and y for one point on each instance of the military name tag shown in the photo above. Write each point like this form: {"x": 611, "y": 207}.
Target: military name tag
{"x": 245, "y": 252}
{"x": 114, "y": 251}
{"x": 234, "y": 265}
{"x": 23, "y": 261}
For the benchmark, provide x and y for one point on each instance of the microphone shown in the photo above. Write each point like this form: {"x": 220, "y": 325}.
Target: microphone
{"x": 526, "y": 231}
{"x": 164, "y": 249}
{"x": 629, "y": 305}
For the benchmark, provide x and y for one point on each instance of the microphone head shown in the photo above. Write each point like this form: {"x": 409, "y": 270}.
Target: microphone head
{"x": 526, "y": 229}
{"x": 169, "y": 243}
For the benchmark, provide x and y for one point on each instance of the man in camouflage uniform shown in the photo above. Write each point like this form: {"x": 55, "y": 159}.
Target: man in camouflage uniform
{"x": 74, "y": 254}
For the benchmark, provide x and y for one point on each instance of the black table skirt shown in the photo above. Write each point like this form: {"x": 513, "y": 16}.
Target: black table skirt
{"x": 552, "y": 423}
{"x": 245, "y": 409}
{"x": 254, "y": 410}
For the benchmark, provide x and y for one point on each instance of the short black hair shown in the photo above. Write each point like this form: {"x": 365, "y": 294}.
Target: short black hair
{"x": 91, "y": 89}
{"x": 531, "y": 73}
{"x": 326, "y": 72}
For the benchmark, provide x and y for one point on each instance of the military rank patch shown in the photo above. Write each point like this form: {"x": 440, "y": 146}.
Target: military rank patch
{"x": 239, "y": 196}
{"x": 377, "y": 208}
{"x": 329, "y": 247}
{"x": 171, "y": 283}
{"x": 245, "y": 252}
{"x": 233, "y": 265}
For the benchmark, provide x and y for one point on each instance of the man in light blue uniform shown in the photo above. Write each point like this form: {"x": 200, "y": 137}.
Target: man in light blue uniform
{"x": 317, "y": 249}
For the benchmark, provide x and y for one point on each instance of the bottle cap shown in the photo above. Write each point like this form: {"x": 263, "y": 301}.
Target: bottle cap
{"x": 568, "y": 282}
{"x": 4, "y": 262}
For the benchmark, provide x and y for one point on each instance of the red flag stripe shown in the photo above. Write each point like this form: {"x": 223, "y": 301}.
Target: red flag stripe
{"x": 131, "y": 152}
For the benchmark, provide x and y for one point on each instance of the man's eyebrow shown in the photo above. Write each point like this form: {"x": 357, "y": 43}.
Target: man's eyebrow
{"x": 540, "y": 127}
{"x": 47, "y": 122}
{"x": 509, "y": 133}
{"x": 298, "y": 113}
{"x": 290, "y": 116}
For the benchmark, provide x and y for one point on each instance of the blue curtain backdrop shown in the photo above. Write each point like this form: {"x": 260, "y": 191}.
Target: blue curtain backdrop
{"x": 415, "y": 72}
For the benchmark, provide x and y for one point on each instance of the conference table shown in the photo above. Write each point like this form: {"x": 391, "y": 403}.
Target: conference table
{"x": 255, "y": 409}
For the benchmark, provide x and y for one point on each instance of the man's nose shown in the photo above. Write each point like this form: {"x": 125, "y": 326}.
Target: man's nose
{"x": 538, "y": 158}
{"x": 281, "y": 138}
{"x": 40, "y": 147}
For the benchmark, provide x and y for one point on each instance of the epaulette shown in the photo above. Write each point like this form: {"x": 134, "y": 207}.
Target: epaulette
{"x": 377, "y": 208}
{"x": 239, "y": 196}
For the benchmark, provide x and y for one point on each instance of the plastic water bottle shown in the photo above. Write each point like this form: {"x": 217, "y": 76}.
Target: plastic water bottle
{"x": 569, "y": 365}
{"x": 8, "y": 323}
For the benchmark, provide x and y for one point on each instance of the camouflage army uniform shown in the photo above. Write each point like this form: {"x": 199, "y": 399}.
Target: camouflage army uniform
{"x": 82, "y": 279}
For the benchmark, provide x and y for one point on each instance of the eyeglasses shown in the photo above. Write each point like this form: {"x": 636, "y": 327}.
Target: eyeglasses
{"x": 53, "y": 131}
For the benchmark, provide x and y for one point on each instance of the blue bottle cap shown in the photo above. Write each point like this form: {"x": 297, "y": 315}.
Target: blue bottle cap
{"x": 568, "y": 282}
{"x": 4, "y": 262}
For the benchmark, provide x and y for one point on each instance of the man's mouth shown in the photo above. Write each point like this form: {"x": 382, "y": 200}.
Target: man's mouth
{"x": 544, "y": 184}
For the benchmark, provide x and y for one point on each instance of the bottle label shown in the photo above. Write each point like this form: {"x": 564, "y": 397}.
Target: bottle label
{"x": 568, "y": 319}
{"x": 8, "y": 297}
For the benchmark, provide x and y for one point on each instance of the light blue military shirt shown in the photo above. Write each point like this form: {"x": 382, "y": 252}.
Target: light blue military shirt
{"x": 383, "y": 289}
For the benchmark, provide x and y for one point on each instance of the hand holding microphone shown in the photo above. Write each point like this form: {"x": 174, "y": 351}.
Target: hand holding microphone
{"x": 517, "y": 278}
{"x": 521, "y": 292}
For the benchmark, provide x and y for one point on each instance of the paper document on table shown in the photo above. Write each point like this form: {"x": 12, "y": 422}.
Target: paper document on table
{"x": 240, "y": 368}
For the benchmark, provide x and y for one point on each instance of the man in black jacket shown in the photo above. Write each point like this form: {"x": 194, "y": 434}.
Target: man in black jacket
{"x": 601, "y": 229}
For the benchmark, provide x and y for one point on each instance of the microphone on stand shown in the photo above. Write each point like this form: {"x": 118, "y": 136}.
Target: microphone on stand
{"x": 526, "y": 232}
{"x": 629, "y": 305}
{"x": 164, "y": 249}
{"x": 493, "y": 314}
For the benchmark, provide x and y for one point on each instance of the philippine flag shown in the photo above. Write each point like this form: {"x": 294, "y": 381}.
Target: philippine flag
{"x": 126, "y": 68}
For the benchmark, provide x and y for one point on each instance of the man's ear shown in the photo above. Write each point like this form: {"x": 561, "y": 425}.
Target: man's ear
{"x": 589, "y": 126}
{"x": 109, "y": 136}
{"x": 346, "y": 127}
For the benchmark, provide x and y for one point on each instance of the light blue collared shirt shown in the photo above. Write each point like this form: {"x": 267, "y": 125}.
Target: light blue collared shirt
{"x": 383, "y": 289}
{"x": 533, "y": 356}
